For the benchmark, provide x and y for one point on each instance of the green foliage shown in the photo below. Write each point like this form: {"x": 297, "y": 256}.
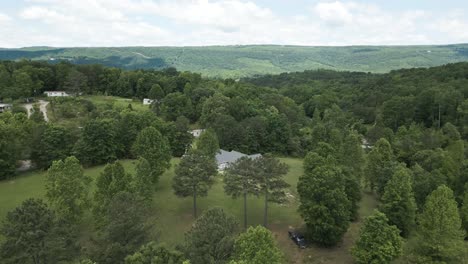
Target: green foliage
{"x": 143, "y": 180}
{"x": 67, "y": 188}
{"x": 10, "y": 147}
{"x": 54, "y": 143}
{"x": 378, "y": 242}
{"x": 175, "y": 105}
{"x": 398, "y": 202}
{"x": 235, "y": 62}
{"x": 125, "y": 230}
{"x": 153, "y": 253}
{"x": 37, "y": 115}
{"x": 156, "y": 92}
{"x": 75, "y": 82}
{"x": 109, "y": 183}
{"x": 380, "y": 165}
{"x": 179, "y": 136}
{"x": 240, "y": 179}
{"x": 440, "y": 235}
{"x": 154, "y": 147}
{"x": 208, "y": 143}
{"x": 257, "y": 246}
{"x": 464, "y": 211}
{"x": 211, "y": 238}
{"x": 30, "y": 236}
{"x": 194, "y": 176}
{"x": 270, "y": 180}
{"x": 97, "y": 142}
{"x": 324, "y": 205}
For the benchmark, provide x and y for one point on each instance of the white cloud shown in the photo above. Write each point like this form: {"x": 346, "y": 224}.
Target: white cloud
{"x": 210, "y": 22}
{"x": 334, "y": 13}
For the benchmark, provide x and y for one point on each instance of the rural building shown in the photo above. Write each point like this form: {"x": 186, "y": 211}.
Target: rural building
{"x": 4, "y": 107}
{"x": 225, "y": 158}
{"x": 56, "y": 93}
{"x": 147, "y": 101}
{"x": 197, "y": 132}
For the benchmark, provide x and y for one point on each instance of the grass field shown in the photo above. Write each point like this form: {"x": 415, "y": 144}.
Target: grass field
{"x": 117, "y": 102}
{"x": 172, "y": 216}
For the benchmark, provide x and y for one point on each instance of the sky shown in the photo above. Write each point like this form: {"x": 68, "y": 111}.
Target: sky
{"x": 105, "y": 23}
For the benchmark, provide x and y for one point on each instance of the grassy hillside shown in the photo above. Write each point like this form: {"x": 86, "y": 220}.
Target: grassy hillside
{"x": 243, "y": 61}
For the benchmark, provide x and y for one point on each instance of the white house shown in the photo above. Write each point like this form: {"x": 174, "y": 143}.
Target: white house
{"x": 225, "y": 158}
{"x": 196, "y": 132}
{"x": 56, "y": 93}
{"x": 147, "y": 101}
{"x": 4, "y": 107}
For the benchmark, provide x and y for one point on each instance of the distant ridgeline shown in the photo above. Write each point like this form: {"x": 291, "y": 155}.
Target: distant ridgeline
{"x": 248, "y": 61}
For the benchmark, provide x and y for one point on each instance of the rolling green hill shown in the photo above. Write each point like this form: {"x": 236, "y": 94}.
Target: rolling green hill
{"x": 244, "y": 61}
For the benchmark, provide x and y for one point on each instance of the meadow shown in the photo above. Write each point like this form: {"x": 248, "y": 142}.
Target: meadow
{"x": 171, "y": 216}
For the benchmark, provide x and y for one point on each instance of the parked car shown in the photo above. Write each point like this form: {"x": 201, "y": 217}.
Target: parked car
{"x": 298, "y": 239}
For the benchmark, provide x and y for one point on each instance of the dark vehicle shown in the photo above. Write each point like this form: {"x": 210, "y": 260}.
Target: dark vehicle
{"x": 298, "y": 239}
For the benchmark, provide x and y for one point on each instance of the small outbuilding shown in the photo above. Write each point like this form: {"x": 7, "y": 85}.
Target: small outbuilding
{"x": 147, "y": 101}
{"x": 196, "y": 132}
{"x": 5, "y": 107}
{"x": 56, "y": 93}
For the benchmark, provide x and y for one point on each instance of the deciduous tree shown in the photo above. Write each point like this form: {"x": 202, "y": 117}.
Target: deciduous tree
{"x": 154, "y": 147}
{"x": 324, "y": 205}
{"x": 257, "y": 246}
{"x": 109, "y": 183}
{"x": 398, "y": 202}
{"x": 440, "y": 236}
{"x": 153, "y": 253}
{"x": 208, "y": 143}
{"x": 211, "y": 238}
{"x": 67, "y": 188}
{"x": 378, "y": 242}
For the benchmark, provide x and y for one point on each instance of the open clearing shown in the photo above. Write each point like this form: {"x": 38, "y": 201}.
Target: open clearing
{"x": 172, "y": 216}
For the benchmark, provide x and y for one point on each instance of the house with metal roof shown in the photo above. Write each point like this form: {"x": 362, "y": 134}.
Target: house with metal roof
{"x": 225, "y": 158}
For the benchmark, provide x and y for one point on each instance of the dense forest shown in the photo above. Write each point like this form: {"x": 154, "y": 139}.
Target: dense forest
{"x": 400, "y": 135}
{"x": 243, "y": 61}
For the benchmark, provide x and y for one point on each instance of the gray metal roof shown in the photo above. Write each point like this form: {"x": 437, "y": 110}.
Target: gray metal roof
{"x": 231, "y": 156}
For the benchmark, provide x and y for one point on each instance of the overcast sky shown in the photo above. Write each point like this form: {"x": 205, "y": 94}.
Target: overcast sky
{"x": 74, "y": 23}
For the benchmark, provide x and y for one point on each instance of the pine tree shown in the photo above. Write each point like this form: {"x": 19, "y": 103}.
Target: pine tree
{"x": 378, "y": 242}
{"x": 240, "y": 179}
{"x": 398, "y": 202}
{"x": 194, "y": 176}
{"x": 271, "y": 182}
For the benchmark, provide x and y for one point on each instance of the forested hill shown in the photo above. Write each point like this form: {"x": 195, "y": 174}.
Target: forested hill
{"x": 246, "y": 61}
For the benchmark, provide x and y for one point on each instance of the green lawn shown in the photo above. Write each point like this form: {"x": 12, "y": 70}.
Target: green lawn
{"x": 172, "y": 216}
{"x": 118, "y": 102}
